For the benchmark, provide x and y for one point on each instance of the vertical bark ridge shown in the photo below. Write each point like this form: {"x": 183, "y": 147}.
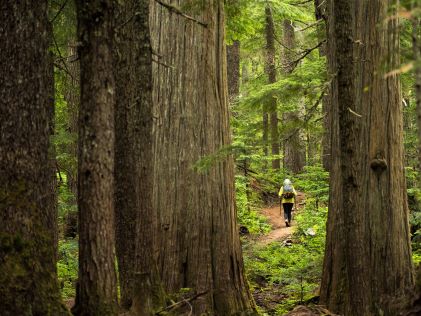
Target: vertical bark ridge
{"x": 28, "y": 276}
{"x": 368, "y": 257}
{"x": 97, "y": 289}
{"x": 197, "y": 235}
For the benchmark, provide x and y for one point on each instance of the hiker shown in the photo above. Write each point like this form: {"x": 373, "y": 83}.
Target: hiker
{"x": 287, "y": 194}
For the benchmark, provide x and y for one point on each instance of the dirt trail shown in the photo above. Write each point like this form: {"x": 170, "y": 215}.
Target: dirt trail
{"x": 276, "y": 219}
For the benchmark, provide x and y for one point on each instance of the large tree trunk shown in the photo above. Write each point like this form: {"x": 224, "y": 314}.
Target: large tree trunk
{"x": 320, "y": 13}
{"x": 271, "y": 72}
{"x": 367, "y": 267}
{"x": 198, "y": 241}
{"x": 96, "y": 292}
{"x": 294, "y": 147}
{"x": 28, "y": 278}
{"x": 135, "y": 217}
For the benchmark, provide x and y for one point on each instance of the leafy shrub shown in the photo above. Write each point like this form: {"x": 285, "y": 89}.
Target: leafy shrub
{"x": 314, "y": 181}
{"x": 246, "y": 212}
{"x": 67, "y": 267}
{"x": 414, "y": 202}
{"x": 293, "y": 270}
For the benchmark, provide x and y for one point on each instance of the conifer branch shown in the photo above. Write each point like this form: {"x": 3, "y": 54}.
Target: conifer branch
{"x": 304, "y": 54}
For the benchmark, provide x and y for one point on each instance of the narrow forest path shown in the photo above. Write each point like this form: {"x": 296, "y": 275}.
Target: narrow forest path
{"x": 276, "y": 219}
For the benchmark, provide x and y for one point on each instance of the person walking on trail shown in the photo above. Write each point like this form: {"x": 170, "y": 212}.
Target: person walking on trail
{"x": 287, "y": 194}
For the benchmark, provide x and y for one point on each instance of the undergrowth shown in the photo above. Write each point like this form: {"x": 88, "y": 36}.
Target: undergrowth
{"x": 285, "y": 274}
{"x": 67, "y": 267}
{"x": 290, "y": 271}
{"x": 247, "y": 206}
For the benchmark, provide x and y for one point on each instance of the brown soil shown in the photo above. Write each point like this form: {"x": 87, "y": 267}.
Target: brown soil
{"x": 276, "y": 218}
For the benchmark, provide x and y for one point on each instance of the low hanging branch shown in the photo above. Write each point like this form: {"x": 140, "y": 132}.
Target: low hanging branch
{"x": 304, "y": 54}
{"x": 311, "y": 25}
{"x": 293, "y": 64}
{"x": 178, "y": 11}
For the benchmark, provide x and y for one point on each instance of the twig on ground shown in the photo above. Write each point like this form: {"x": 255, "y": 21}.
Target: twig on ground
{"x": 181, "y": 303}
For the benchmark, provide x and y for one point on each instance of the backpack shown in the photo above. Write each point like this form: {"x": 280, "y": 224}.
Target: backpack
{"x": 288, "y": 192}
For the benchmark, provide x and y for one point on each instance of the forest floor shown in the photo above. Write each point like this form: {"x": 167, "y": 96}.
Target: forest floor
{"x": 268, "y": 297}
{"x": 276, "y": 219}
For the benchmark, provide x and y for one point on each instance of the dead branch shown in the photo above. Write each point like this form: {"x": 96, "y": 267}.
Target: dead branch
{"x": 61, "y": 57}
{"x": 304, "y": 54}
{"x": 179, "y": 12}
{"x": 162, "y": 63}
{"x": 180, "y": 303}
{"x": 301, "y": 3}
{"x": 128, "y": 21}
{"x": 311, "y": 25}
{"x": 59, "y": 11}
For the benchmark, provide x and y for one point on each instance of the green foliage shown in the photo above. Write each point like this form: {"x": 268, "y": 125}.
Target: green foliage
{"x": 62, "y": 138}
{"x": 308, "y": 80}
{"x": 67, "y": 267}
{"x": 414, "y": 203}
{"x": 246, "y": 18}
{"x": 241, "y": 20}
{"x": 295, "y": 271}
{"x": 314, "y": 181}
{"x": 246, "y": 210}
{"x": 66, "y": 200}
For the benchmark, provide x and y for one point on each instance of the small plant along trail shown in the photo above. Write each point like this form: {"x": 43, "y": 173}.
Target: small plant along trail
{"x": 276, "y": 219}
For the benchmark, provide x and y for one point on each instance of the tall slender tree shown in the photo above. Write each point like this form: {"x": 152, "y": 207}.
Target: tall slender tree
{"x": 233, "y": 70}
{"x": 198, "y": 243}
{"x": 72, "y": 97}
{"x": 135, "y": 217}
{"x": 294, "y": 153}
{"x": 28, "y": 278}
{"x": 321, "y": 19}
{"x": 97, "y": 289}
{"x": 367, "y": 267}
{"x": 416, "y": 46}
{"x": 271, "y": 73}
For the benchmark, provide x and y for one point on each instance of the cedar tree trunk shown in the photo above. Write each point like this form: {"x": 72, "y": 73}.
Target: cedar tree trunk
{"x": 367, "y": 268}
{"x": 198, "y": 240}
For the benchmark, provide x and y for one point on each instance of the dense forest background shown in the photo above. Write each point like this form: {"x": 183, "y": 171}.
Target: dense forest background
{"x": 209, "y": 100}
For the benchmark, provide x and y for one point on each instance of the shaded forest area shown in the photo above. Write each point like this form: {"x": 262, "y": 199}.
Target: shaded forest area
{"x": 143, "y": 144}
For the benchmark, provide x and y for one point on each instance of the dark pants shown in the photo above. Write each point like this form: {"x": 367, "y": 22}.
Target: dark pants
{"x": 287, "y": 210}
